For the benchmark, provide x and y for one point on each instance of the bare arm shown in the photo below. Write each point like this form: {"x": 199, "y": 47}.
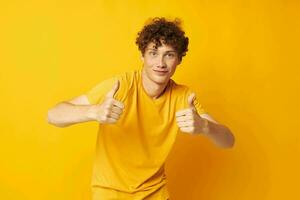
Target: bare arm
{"x": 67, "y": 113}
{"x": 80, "y": 110}
{"x": 218, "y": 133}
{"x": 190, "y": 121}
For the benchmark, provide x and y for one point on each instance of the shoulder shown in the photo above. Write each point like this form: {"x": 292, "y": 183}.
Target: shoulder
{"x": 183, "y": 90}
{"x": 127, "y": 81}
{"x": 181, "y": 93}
{"x": 96, "y": 93}
{"x": 180, "y": 89}
{"x": 127, "y": 77}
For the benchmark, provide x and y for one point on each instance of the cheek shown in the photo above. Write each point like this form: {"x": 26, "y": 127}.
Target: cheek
{"x": 149, "y": 63}
{"x": 173, "y": 65}
{"x": 146, "y": 61}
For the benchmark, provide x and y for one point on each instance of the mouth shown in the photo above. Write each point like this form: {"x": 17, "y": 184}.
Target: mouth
{"x": 160, "y": 72}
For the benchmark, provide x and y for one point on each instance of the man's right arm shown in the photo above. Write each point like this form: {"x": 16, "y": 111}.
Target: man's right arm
{"x": 71, "y": 112}
{"x": 80, "y": 110}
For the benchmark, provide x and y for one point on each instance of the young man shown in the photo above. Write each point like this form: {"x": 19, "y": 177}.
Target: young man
{"x": 139, "y": 115}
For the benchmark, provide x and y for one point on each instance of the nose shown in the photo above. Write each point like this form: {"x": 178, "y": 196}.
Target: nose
{"x": 161, "y": 62}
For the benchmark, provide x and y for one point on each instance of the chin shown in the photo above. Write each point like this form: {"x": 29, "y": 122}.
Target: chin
{"x": 160, "y": 79}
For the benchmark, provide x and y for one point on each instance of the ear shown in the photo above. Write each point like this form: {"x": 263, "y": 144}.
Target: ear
{"x": 179, "y": 61}
{"x": 142, "y": 58}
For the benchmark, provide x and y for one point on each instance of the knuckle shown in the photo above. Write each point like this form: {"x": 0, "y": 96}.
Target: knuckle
{"x": 111, "y": 100}
{"x": 104, "y": 118}
{"x": 106, "y": 112}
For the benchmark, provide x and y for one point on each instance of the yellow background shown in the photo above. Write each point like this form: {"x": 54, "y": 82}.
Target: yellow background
{"x": 243, "y": 60}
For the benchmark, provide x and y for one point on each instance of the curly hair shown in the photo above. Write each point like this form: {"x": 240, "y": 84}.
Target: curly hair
{"x": 158, "y": 30}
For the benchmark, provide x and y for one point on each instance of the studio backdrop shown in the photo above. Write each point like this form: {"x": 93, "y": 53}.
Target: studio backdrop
{"x": 243, "y": 61}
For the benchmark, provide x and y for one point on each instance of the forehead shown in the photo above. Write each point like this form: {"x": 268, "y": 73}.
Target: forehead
{"x": 163, "y": 47}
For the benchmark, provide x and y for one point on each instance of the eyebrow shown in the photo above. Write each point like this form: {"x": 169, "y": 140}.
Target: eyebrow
{"x": 153, "y": 49}
{"x": 171, "y": 51}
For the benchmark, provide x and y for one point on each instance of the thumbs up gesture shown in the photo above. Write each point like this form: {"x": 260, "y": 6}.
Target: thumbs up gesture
{"x": 110, "y": 110}
{"x": 188, "y": 120}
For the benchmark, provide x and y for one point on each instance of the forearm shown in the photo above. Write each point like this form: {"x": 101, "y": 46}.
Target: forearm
{"x": 66, "y": 114}
{"x": 219, "y": 134}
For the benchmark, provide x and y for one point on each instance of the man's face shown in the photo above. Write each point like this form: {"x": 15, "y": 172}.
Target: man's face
{"x": 160, "y": 64}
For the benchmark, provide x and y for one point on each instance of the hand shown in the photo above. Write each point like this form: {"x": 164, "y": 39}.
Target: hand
{"x": 188, "y": 120}
{"x": 110, "y": 110}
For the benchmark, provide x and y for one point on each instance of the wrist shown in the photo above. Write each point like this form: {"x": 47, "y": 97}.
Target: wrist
{"x": 205, "y": 126}
{"x": 91, "y": 112}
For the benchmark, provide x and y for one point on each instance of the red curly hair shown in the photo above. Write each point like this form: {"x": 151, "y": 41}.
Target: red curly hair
{"x": 158, "y": 30}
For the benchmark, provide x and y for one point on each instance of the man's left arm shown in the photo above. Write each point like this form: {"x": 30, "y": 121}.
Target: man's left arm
{"x": 190, "y": 121}
{"x": 218, "y": 133}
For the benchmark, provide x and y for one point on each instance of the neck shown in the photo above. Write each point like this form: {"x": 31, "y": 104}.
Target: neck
{"x": 152, "y": 89}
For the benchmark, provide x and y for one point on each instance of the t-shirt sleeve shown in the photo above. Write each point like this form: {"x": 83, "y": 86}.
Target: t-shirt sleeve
{"x": 196, "y": 102}
{"x": 97, "y": 93}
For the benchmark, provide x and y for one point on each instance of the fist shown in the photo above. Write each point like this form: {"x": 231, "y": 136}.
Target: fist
{"x": 110, "y": 110}
{"x": 188, "y": 120}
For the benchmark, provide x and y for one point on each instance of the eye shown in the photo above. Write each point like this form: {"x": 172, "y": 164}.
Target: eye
{"x": 152, "y": 53}
{"x": 171, "y": 55}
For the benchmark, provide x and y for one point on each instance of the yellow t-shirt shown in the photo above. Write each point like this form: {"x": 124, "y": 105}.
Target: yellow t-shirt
{"x": 130, "y": 154}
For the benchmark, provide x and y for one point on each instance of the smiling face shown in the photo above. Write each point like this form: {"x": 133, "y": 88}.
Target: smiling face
{"x": 160, "y": 63}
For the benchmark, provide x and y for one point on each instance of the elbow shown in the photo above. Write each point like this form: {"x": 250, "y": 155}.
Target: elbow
{"x": 228, "y": 145}
{"x": 229, "y": 142}
{"x": 51, "y": 119}
{"x": 225, "y": 138}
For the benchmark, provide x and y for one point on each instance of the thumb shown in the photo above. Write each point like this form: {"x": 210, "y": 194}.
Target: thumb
{"x": 190, "y": 100}
{"x": 113, "y": 91}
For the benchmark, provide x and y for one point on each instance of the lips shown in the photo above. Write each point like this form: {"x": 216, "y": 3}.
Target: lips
{"x": 160, "y": 73}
